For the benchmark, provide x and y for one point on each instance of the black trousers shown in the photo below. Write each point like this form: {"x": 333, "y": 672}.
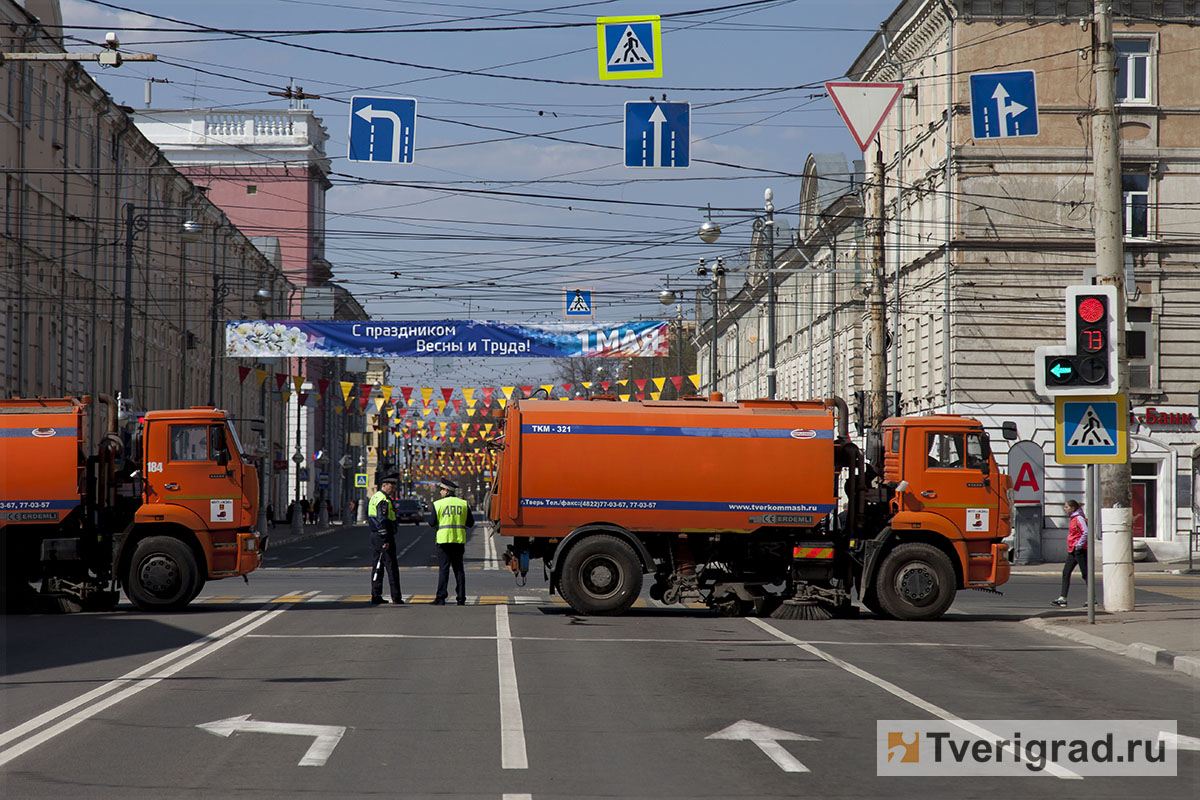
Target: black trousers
{"x": 384, "y": 561}
{"x": 1078, "y": 557}
{"x": 450, "y": 556}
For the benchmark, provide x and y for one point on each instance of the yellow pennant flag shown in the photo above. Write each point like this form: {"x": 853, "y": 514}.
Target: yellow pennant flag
{"x": 378, "y": 404}
{"x": 442, "y": 428}
{"x": 441, "y": 404}
{"x": 346, "y": 387}
{"x": 287, "y": 396}
{"x": 695, "y": 379}
{"x": 297, "y": 381}
{"x": 261, "y": 374}
{"x": 623, "y": 383}
{"x": 469, "y": 396}
{"x": 564, "y": 398}
{"x": 426, "y": 393}
{"x": 487, "y": 426}
{"x": 387, "y": 393}
{"x": 655, "y": 395}
{"x": 549, "y": 387}
{"x": 624, "y": 397}
{"x": 503, "y": 401}
{"x": 425, "y": 412}
{"x": 508, "y": 390}
{"x": 586, "y": 384}
{"x": 659, "y": 383}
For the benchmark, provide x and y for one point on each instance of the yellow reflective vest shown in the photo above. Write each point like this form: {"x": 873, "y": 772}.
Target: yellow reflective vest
{"x": 375, "y": 522}
{"x": 452, "y": 520}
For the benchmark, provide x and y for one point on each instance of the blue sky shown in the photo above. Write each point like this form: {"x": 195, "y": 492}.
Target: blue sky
{"x": 448, "y": 244}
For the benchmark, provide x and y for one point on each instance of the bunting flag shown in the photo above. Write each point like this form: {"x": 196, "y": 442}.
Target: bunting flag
{"x": 441, "y": 406}
{"x": 605, "y": 384}
{"x": 549, "y": 387}
{"x": 280, "y": 379}
{"x": 366, "y": 397}
{"x": 695, "y": 379}
{"x": 298, "y": 382}
{"x": 468, "y": 394}
{"x": 655, "y": 395}
{"x": 640, "y": 384}
{"x": 387, "y": 393}
{"x": 567, "y": 387}
{"x": 406, "y": 393}
{"x": 527, "y": 391}
{"x": 322, "y": 385}
{"x": 378, "y": 404}
{"x": 487, "y": 396}
{"x": 287, "y": 396}
{"x": 508, "y": 392}
{"x": 346, "y": 387}
{"x": 261, "y": 374}
{"x": 301, "y": 398}
{"x": 446, "y": 393}
{"x": 503, "y": 401}
{"x": 659, "y": 383}
{"x": 426, "y": 394}
{"x": 586, "y": 384}
{"x": 242, "y": 373}
{"x": 457, "y": 406}
{"x": 678, "y": 381}
{"x": 624, "y": 397}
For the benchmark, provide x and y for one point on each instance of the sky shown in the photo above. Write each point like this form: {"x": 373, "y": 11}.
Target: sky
{"x": 518, "y": 188}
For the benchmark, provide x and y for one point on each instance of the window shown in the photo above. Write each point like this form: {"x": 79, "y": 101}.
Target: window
{"x": 251, "y": 188}
{"x": 976, "y": 452}
{"x": 945, "y": 450}
{"x": 1134, "y": 77}
{"x": 189, "y": 443}
{"x": 1135, "y": 198}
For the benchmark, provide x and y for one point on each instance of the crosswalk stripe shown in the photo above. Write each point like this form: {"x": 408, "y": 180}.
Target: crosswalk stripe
{"x": 472, "y": 600}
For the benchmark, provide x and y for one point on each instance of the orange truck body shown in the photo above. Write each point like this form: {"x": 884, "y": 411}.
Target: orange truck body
{"x": 769, "y": 490}
{"x": 76, "y": 519}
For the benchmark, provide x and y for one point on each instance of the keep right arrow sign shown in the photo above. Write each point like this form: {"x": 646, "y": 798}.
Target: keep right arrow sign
{"x": 863, "y": 107}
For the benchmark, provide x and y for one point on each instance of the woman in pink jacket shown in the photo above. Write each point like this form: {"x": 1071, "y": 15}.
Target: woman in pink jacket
{"x": 1077, "y": 545}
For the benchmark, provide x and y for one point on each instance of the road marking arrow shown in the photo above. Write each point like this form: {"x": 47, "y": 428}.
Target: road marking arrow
{"x": 327, "y": 736}
{"x": 768, "y": 740}
{"x": 1177, "y": 741}
{"x": 371, "y": 114}
{"x": 657, "y": 119}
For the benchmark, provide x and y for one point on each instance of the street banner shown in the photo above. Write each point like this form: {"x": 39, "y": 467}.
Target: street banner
{"x": 443, "y": 338}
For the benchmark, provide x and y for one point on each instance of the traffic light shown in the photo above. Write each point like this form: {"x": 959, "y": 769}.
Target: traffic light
{"x": 1087, "y": 364}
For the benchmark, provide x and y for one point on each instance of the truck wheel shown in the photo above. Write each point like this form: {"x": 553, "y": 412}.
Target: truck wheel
{"x": 601, "y": 575}
{"x": 915, "y": 582}
{"x": 162, "y": 574}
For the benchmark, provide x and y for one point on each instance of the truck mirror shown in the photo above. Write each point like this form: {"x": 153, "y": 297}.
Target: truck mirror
{"x": 1009, "y": 429}
{"x": 222, "y": 457}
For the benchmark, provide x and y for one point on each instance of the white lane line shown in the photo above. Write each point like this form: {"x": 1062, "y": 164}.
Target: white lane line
{"x": 411, "y": 545}
{"x": 512, "y": 724}
{"x": 511, "y": 796}
{"x": 905, "y": 695}
{"x": 310, "y": 558}
{"x": 87, "y": 713}
{"x": 491, "y": 559}
{"x": 58, "y": 711}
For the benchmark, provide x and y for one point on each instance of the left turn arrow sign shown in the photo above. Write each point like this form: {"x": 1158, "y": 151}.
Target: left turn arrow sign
{"x": 326, "y": 737}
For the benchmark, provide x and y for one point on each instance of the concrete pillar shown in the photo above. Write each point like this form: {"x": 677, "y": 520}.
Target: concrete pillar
{"x": 1118, "y": 558}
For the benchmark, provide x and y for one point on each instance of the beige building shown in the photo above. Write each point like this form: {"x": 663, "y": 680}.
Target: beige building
{"x": 82, "y": 314}
{"x": 983, "y": 236}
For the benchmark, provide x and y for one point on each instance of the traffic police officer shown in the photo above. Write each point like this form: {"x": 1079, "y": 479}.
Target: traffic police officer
{"x": 382, "y": 519}
{"x": 451, "y": 517}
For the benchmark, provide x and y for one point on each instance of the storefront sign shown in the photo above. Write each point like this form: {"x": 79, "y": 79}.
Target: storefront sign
{"x": 1155, "y": 418}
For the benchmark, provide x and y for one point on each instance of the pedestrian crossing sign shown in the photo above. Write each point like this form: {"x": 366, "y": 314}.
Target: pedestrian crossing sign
{"x": 1091, "y": 429}
{"x": 360, "y": 480}
{"x": 629, "y": 47}
{"x": 577, "y": 303}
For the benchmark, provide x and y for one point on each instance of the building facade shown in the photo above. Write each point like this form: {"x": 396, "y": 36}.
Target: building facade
{"x": 983, "y": 235}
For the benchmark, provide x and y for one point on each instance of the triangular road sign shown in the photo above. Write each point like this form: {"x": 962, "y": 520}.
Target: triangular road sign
{"x": 863, "y": 107}
{"x": 630, "y": 50}
{"x": 1090, "y": 432}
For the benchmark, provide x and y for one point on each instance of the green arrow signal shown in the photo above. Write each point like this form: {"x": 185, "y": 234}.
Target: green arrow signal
{"x": 1059, "y": 370}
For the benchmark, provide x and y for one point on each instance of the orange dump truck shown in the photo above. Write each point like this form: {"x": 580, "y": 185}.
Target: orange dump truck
{"x": 750, "y": 505}
{"x": 159, "y": 518}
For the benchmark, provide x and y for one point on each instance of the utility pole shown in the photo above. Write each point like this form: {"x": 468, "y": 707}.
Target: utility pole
{"x": 1114, "y": 486}
{"x": 878, "y": 336}
{"x": 769, "y": 207}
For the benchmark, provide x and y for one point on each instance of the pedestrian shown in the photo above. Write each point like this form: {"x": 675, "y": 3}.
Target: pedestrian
{"x": 270, "y": 515}
{"x": 1077, "y": 549}
{"x": 381, "y": 518}
{"x": 451, "y": 517}
{"x": 304, "y": 511}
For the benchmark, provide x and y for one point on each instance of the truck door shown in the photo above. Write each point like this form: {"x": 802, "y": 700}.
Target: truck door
{"x": 194, "y": 477}
{"x": 953, "y": 483}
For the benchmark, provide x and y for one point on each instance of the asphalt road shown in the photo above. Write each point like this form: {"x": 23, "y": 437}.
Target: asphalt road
{"x": 515, "y": 696}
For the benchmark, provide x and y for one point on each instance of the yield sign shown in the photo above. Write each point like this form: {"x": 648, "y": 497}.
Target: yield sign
{"x": 863, "y": 107}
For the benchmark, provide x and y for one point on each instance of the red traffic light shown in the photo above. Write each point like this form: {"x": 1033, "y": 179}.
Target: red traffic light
{"x": 1091, "y": 309}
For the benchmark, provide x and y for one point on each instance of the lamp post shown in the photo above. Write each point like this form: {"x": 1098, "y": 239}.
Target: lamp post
{"x": 667, "y": 297}
{"x": 297, "y": 512}
{"x": 769, "y": 208}
{"x": 135, "y": 223}
{"x": 710, "y": 291}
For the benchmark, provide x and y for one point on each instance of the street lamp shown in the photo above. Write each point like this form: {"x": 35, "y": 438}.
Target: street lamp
{"x": 221, "y": 290}
{"x": 135, "y": 223}
{"x": 769, "y": 224}
{"x": 710, "y": 292}
{"x": 709, "y": 231}
{"x": 297, "y": 512}
{"x": 667, "y": 297}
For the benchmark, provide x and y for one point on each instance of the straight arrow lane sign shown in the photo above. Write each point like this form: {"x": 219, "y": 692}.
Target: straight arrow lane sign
{"x": 326, "y": 737}
{"x": 656, "y": 121}
{"x": 768, "y": 740}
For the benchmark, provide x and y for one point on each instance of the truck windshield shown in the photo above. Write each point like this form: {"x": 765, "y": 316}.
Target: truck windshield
{"x": 237, "y": 443}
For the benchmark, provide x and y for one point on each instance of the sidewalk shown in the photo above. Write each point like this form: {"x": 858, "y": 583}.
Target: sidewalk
{"x": 1054, "y": 569}
{"x": 1166, "y": 635}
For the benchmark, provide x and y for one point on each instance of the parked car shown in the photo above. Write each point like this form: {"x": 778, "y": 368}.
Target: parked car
{"x": 407, "y": 509}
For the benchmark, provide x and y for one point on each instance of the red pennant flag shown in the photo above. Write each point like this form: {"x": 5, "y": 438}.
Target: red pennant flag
{"x": 280, "y": 380}
{"x": 242, "y": 373}
{"x": 407, "y": 392}
{"x": 366, "y": 392}
{"x": 487, "y": 395}
{"x": 678, "y": 381}
{"x": 447, "y": 392}
{"x": 567, "y": 387}
{"x": 641, "y": 397}
{"x": 302, "y": 397}
{"x": 605, "y": 384}
{"x": 322, "y": 385}
{"x": 457, "y": 406}
{"x": 641, "y": 385}
{"x": 528, "y": 390}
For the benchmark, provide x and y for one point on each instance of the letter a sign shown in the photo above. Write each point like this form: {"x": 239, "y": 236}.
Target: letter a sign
{"x": 1027, "y": 466}
{"x": 863, "y": 107}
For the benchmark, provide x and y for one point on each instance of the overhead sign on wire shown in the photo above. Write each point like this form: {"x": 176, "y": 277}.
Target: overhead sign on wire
{"x": 863, "y": 106}
{"x": 443, "y": 338}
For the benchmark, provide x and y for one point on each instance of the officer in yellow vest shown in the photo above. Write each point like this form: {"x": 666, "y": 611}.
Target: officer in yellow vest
{"x": 451, "y": 517}
{"x": 381, "y": 517}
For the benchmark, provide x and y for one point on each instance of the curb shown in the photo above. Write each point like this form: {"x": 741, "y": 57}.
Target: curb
{"x": 1140, "y": 651}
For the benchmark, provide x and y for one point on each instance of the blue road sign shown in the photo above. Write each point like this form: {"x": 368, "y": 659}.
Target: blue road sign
{"x": 1091, "y": 430}
{"x": 658, "y": 134}
{"x": 1004, "y": 104}
{"x": 578, "y": 302}
{"x": 381, "y": 129}
{"x": 360, "y": 480}
{"x": 629, "y": 47}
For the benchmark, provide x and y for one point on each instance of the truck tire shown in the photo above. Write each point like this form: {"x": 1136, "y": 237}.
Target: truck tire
{"x": 162, "y": 574}
{"x": 915, "y": 582}
{"x": 601, "y": 576}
